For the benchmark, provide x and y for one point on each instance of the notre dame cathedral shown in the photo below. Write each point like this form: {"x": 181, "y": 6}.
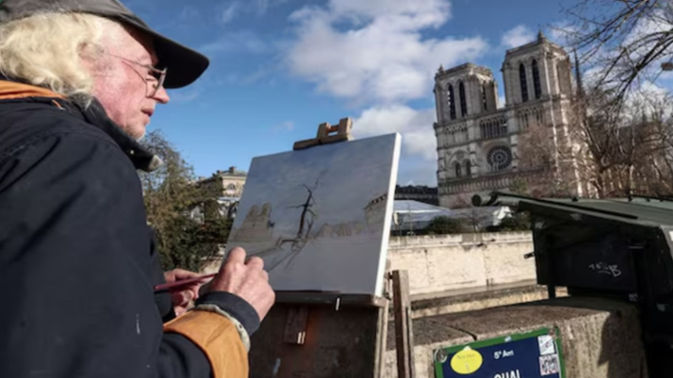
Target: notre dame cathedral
{"x": 482, "y": 148}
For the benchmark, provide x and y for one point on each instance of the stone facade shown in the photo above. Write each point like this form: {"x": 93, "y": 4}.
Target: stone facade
{"x": 221, "y": 192}
{"x": 227, "y": 183}
{"x": 479, "y": 146}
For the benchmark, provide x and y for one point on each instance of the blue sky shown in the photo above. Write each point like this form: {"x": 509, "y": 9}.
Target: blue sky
{"x": 279, "y": 68}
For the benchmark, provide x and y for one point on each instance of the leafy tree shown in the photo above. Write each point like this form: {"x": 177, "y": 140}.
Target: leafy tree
{"x": 170, "y": 196}
{"x": 445, "y": 225}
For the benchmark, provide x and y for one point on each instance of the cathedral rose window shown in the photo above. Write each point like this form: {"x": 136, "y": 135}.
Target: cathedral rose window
{"x": 499, "y": 157}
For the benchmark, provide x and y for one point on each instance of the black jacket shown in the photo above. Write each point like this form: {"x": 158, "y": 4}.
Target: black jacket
{"x": 77, "y": 268}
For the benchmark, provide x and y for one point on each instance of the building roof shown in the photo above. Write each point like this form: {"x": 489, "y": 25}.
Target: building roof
{"x": 465, "y": 67}
{"x": 411, "y": 206}
{"x": 418, "y": 212}
{"x": 541, "y": 39}
{"x": 637, "y": 212}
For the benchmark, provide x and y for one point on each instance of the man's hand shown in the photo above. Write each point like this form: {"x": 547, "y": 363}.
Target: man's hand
{"x": 183, "y": 298}
{"x": 248, "y": 280}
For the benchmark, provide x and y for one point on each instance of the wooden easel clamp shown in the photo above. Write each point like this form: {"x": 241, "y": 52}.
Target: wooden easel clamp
{"x": 328, "y": 134}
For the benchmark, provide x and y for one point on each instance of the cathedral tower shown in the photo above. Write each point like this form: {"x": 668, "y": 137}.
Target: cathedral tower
{"x": 482, "y": 148}
{"x": 464, "y": 91}
{"x": 535, "y": 71}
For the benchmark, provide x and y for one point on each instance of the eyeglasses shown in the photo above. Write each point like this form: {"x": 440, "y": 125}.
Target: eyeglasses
{"x": 158, "y": 75}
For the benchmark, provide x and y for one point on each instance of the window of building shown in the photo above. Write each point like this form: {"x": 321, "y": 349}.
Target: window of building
{"x": 499, "y": 158}
{"x": 539, "y": 117}
{"x": 493, "y": 128}
{"x": 463, "y": 103}
{"x": 458, "y": 171}
{"x": 522, "y": 81}
{"x": 484, "y": 103}
{"x": 468, "y": 168}
{"x": 563, "y": 79}
{"x": 452, "y": 103}
{"x": 536, "y": 80}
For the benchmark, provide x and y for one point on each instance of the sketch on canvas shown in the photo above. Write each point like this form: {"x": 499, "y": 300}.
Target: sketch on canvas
{"x": 320, "y": 217}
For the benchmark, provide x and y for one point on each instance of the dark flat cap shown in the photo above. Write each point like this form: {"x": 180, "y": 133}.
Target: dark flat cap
{"x": 184, "y": 64}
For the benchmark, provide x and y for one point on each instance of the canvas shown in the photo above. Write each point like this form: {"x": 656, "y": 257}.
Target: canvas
{"x": 320, "y": 217}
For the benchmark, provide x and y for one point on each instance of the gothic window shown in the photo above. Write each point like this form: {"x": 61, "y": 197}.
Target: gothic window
{"x": 458, "y": 171}
{"x": 522, "y": 81}
{"x": 536, "y": 80}
{"x": 484, "y": 104}
{"x": 493, "y": 128}
{"x": 468, "y": 168}
{"x": 539, "y": 117}
{"x": 463, "y": 103}
{"x": 499, "y": 158}
{"x": 563, "y": 77}
{"x": 452, "y": 103}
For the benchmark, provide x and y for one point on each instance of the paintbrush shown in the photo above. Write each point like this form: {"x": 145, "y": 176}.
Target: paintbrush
{"x": 177, "y": 285}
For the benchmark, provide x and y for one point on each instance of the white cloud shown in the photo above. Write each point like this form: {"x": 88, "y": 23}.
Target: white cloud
{"x": 517, "y": 36}
{"x": 372, "y": 51}
{"x": 418, "y": 136}
{"x": 241, "y": 41}
{"x": 563, "y": 32}
{"x": 235, "y": 8}
{"x": 648, "y": 99}
{"x": 284, "y": 126}
{"x": 189, "y": 13}
{"x": 648, "y": 28}
{"x": 262, "y": 5}
{"x": 184, "y": 96}
{"x": 418, "y": 162}
{"x": 407, "y": 14}
{"x": 229, "y": 12}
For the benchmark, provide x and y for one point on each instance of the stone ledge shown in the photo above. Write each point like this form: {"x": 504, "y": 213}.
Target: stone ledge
{"x": 600, "y": 338}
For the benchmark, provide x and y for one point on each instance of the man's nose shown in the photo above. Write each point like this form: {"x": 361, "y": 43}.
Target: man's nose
{"x": 161, "y": 96}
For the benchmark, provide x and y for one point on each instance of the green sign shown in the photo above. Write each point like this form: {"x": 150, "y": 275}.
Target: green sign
{"x": 535, "y": 354}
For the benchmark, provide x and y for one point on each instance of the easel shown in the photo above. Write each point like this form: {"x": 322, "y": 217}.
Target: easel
{"x": 332, "y": 335}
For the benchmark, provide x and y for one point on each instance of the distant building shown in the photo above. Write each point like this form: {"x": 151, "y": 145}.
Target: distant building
{"x": 420, "y": 193}
{"x": 227, "y": 183}
{"x": 413, "y": 216}
{"x": 221, "y": 192}
{"x": 256, "y": 226}
{"x": 479, "y": 146}
{"x": 375, "y": 210}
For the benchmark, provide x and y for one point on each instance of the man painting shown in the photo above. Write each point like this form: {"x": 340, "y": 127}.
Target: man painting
{"x": 79, "y": 83}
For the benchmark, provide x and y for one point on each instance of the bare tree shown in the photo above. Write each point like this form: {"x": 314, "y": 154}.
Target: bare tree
{"x": 536, "y": 153}
{"x": 622, "y": 42}
{"x": 630, "y": 145}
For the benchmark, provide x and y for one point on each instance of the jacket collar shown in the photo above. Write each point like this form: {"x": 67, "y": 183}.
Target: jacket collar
{"x": 10, "y": 90}
{"x": 93, "y": 114}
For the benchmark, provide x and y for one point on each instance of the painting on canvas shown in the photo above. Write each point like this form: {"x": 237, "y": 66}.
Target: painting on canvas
{"x": 320, "y": 217}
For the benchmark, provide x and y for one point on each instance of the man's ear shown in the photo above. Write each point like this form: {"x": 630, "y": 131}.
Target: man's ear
{"x": 92, "y": 56}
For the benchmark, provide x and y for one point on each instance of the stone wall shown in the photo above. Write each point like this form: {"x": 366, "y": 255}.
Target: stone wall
{"x": 442, "y": 263}
{"x": 599, "y": 338}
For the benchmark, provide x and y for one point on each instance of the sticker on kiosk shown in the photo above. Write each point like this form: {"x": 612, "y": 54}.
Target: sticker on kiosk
{"x": 535, "y": 354}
